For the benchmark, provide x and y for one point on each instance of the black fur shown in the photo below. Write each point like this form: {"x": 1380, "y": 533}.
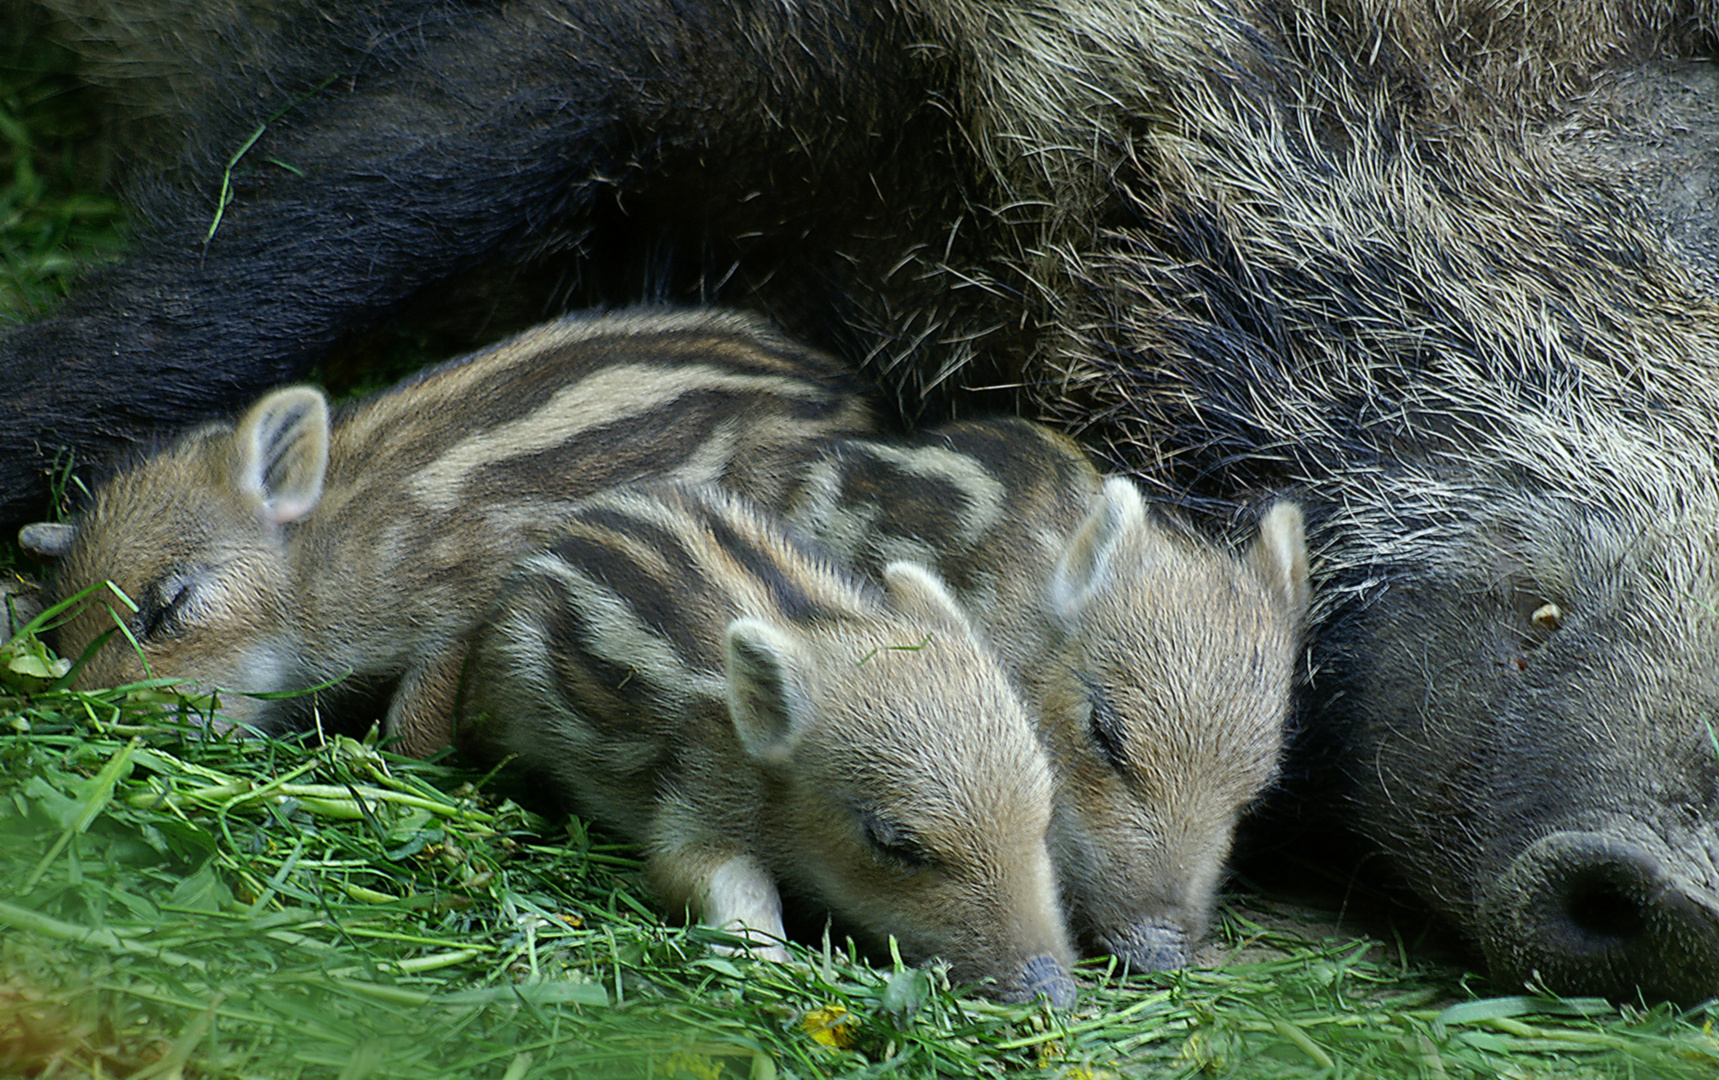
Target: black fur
{"x": 571, "y": 151}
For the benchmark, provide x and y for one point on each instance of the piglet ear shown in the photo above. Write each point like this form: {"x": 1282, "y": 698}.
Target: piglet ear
{"x": 1279, "y": 554}
{"x": 283, "y": 452}
{"x": 766, "y": 695}
{"x": 1085, "y": 567}
{"x": 45, "y": 541}
{"x": 920, "y": 594}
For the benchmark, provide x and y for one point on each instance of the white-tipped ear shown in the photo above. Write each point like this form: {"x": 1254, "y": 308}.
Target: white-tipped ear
{"x": 45, "y": 541}
{"x": 919, "y": 593}
{"x": 1279, "y": 554}
{"x": 1082, "y": 571}
{"x": 283, "y": 452}
{"x": 766, "y": 697}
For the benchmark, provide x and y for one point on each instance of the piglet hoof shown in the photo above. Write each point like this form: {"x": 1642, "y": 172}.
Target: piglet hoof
{"x": 759, "y": 946}
{"x": 776, "y": 954}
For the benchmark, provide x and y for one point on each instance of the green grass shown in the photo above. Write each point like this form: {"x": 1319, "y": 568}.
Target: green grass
{"x": 180, "y": 906}
{"x": 56, "y": 217}
{"x": 177, "y": 905}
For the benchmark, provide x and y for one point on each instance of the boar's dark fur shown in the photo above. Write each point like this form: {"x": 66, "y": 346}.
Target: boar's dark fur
{"x": 1420, "y": 264}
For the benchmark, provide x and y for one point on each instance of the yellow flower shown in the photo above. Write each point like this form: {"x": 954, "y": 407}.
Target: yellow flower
{"x": 830, "y": 1027}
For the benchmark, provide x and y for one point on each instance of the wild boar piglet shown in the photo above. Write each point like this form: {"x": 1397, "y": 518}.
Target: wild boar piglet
{"x": 286, "y": 550}
{"x": 677, "y": 666}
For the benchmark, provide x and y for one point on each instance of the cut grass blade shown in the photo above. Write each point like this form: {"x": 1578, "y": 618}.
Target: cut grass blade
{"x": 94, "y": 800}
{"x": 224, "y": 888}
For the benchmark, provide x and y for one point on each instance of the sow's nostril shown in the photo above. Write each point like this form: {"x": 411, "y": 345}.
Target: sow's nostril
{"x": 1586, "y": 913}
{"x": 1606, "y": 903}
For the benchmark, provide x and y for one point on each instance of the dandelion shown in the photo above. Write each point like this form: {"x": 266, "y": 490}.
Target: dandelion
{"x": 830, "y": 1026}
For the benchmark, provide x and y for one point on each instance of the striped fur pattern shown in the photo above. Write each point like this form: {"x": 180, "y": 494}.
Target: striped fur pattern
{"x": 282, "y": 552}
{"x": 764, "y": 723}
{"x": 1159, "y": 667}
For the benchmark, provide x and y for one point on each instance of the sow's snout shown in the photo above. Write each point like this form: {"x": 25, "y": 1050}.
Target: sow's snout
{"x": 1585, "y": 913}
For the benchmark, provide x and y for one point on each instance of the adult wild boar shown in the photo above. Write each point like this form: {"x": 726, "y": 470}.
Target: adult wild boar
{"x": 1394, "y": 259}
